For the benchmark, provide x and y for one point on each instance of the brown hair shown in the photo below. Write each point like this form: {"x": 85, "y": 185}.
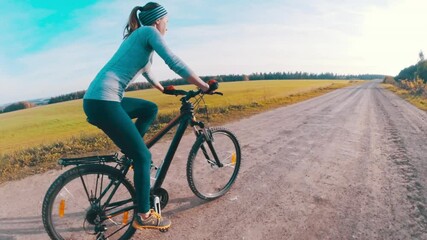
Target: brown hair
{"x": 133, "y": 22}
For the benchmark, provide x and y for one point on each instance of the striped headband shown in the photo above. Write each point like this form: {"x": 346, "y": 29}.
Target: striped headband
{"x": 147, "y": 18}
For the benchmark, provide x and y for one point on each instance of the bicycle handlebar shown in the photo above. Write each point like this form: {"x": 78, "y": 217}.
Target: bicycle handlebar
{"x": 188, "y": 94}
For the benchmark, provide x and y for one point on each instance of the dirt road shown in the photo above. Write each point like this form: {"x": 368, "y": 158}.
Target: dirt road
{"x": 351, "y": 164}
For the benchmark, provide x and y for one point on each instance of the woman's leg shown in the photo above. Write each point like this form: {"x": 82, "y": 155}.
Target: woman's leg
{"x": 116, "y": 123}
{"x": 145, "y": 112}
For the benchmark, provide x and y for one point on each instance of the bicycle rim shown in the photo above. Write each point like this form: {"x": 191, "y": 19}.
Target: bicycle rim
{"x": 69, "y": 214}
{"x": 205, "y": 178}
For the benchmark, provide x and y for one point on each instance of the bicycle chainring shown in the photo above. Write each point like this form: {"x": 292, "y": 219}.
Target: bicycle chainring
{"x": 162, "y": 194}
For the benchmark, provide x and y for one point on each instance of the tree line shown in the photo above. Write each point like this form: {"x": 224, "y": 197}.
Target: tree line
{"x": 18, "y": 106}
{"x": 413, "y": 79}
{"x": 414, "y": 72}
{"x": 219, "y": 78}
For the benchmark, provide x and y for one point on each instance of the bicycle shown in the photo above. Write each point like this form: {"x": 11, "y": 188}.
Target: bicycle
{"x": 95, "y": 198}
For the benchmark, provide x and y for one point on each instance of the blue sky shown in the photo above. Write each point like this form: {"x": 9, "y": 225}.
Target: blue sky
{"x": 48, "y": 47}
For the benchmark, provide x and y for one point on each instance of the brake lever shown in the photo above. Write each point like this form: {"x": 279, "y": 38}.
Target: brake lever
{"x": 219, "y": 93}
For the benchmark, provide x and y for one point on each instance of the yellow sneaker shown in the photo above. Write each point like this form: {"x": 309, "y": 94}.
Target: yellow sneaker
{"x": 154, "y": 221}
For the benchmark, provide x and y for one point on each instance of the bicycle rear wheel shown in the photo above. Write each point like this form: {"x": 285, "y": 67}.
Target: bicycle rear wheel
{"x": 206, "y": 179}
{"x": 90, "y": 202}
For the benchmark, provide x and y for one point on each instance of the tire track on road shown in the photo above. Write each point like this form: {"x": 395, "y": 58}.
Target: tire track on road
{"x": 397, "y": 152}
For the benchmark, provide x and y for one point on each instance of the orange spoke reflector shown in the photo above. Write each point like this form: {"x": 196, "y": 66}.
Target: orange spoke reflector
{"x": 233, "y": 159}
{"x": 125, "y": 217}
{"x": 61, "y": 208}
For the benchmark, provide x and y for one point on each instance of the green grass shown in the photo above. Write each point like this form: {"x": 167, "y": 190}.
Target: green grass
{"x": 47, "y": 124}
{"x": 32, "y": 140}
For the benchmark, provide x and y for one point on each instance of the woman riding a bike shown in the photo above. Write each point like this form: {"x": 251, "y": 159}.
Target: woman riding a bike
{"x": 107, "y": 109}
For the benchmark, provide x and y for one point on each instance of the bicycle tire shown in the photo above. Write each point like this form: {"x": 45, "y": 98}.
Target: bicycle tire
{"x": 200, "y": 170}
{"x": 65, "y": 183}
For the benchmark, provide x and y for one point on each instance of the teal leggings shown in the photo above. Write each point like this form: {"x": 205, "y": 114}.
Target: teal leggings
{"x": 115, "y": 119}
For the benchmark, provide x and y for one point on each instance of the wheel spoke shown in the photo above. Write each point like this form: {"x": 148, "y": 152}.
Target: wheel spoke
{"x": 212, "y": 178}
{"x": 67, "y": 213}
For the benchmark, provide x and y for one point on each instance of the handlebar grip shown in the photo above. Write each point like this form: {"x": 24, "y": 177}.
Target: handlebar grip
{"x": 213, "y": 85}
{"x": 170, "y": 90}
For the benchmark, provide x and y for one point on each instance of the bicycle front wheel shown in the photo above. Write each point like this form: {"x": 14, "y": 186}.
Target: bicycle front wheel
{"x": 208, "y": 179}
{"x": 90, "y": 202}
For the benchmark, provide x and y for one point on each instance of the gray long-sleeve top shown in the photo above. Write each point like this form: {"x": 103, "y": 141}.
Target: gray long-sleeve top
{"x": 134, "y": 56}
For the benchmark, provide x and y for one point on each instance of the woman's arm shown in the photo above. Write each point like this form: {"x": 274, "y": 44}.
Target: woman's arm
{"x": 152, "y": 80}
{"x": 157, "y": 42}
{"x": 194, "y": 79}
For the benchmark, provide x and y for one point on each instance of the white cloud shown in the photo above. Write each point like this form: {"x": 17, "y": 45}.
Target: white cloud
{"x": 253, "y": 36}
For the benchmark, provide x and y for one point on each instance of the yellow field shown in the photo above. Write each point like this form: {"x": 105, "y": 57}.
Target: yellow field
{"x": 48, "y": 124}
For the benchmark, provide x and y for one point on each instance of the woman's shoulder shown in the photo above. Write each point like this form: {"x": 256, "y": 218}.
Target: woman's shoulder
{"x": 148, "y": 30}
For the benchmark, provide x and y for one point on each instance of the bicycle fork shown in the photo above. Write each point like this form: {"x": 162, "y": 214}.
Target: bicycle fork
{"x": 206, "y": 132}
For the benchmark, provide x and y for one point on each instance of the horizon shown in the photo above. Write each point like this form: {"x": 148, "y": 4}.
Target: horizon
{"x": 54, "y": 48}
{"x": 44, "y": 99}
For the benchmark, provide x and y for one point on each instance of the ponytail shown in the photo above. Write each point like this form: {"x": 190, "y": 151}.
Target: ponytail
{"x": 133, "y": 22}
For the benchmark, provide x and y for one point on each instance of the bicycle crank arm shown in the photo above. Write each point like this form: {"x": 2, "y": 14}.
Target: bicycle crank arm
{"x": 157, "y": 206}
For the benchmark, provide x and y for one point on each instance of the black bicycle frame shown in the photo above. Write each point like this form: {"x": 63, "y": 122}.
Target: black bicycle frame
{"x": 184, "y": 119}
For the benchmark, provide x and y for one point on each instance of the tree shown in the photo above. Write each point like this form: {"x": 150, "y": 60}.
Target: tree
{"x": 408, "y": 73}
{"x": 18, "y": 106}
{"x": 422, "y": 70}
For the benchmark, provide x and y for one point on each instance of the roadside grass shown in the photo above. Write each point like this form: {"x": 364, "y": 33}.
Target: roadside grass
{"x": 32, "y": 140}
{"x": 418, "y": 101}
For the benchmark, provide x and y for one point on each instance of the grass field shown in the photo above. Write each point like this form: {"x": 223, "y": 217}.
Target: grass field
{"x": 32, "y": 140}
{"x": 50, "y": 123}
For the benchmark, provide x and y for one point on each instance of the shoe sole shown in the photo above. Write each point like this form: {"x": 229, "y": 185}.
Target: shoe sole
{"x": 139, "y": 227}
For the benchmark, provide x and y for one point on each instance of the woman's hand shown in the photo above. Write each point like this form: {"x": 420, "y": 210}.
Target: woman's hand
{"x": 213, "y": 85}
{"x": 169, "y": 90}
{"x": 198, "y": 82}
